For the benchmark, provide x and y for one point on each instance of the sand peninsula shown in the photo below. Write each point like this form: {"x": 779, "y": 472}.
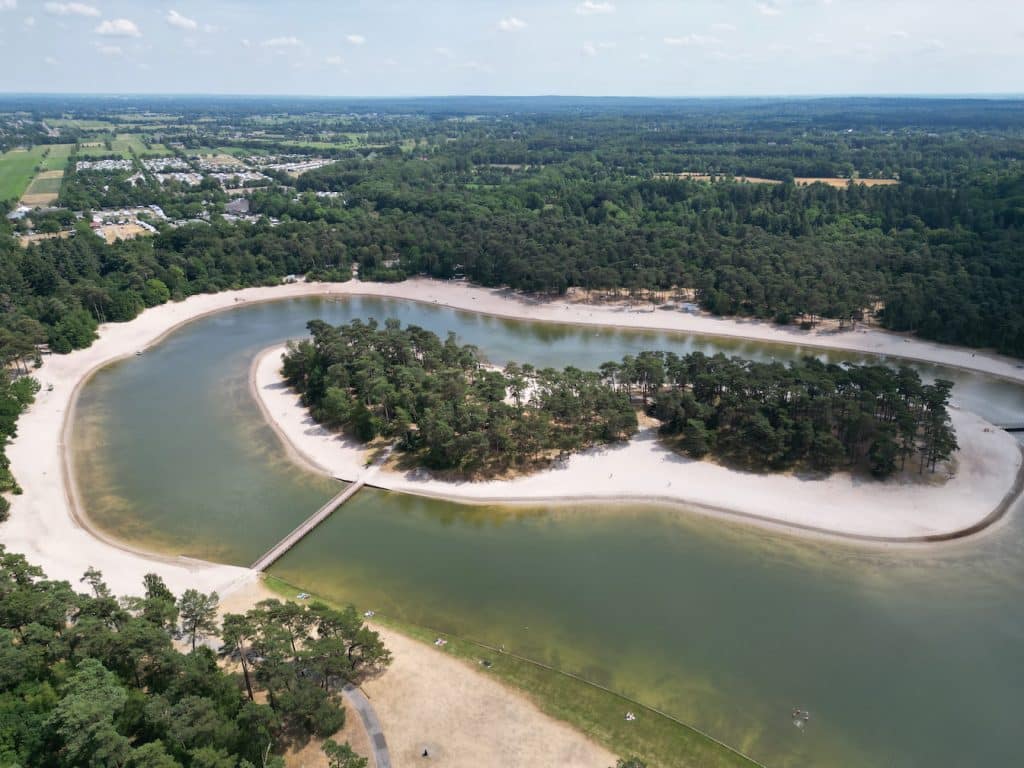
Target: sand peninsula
{"x": 986, "y": 474}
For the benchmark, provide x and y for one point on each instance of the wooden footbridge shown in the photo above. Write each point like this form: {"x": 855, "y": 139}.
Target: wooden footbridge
{"x": 307, "y": 525}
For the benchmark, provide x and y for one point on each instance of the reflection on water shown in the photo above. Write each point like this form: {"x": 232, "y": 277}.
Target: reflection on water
{"x": 903, "y": 657}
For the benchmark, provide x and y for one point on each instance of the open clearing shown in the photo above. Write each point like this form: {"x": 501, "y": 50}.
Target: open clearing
{"x": 832, "y": 181}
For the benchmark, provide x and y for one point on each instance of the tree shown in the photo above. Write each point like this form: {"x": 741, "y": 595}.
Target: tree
{"x": 696, "y": 440}
{"x": 84, "y": 718}
{"x": 237, "y": 630}
{"x": 342, "y": 755}
{"x": 198, "y": 613}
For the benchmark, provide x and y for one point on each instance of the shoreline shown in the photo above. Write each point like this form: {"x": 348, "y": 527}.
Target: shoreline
{"x": 39, "y": 517}
{"x": 44, "y": 526}
{"x": 989, "y": 478}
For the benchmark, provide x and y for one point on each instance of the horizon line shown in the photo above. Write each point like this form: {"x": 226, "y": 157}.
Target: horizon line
{"x": 985, "y": 95}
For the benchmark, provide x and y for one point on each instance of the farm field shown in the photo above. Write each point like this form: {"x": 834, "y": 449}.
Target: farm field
{"x": 82, "y": 125}
{"x": 44, "y": 188}
{"x": 123, "y": 144}
{"x": 17, "y": 167}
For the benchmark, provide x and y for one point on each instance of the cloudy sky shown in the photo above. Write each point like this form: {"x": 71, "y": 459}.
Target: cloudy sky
{"x": 578, "y": 47}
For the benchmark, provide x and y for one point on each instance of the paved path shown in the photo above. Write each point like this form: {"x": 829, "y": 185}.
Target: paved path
{"x": 307, "y": 525}
{"x": 358, "y": 701}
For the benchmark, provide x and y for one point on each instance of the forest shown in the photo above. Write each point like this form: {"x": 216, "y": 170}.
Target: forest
{"x": 437, "y": 402}
{"x": 90, "y": 680}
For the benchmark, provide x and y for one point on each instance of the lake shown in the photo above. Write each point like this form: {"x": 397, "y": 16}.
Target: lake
{"x": 904, "y": 657}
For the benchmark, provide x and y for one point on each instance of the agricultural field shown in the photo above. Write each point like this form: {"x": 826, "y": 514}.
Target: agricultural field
{"x": 51, "y": 161}
{"x": 123, "y": 144}
{"x": 17, "y": 167}
{"x": 57, "y": 158}
{"x": 82, "y": 125}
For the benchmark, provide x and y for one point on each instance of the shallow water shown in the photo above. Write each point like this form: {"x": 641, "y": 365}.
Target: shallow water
{"x": 903, "y": 658}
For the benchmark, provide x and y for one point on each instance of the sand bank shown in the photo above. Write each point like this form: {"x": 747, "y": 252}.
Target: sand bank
{"x": 987, "y": 467}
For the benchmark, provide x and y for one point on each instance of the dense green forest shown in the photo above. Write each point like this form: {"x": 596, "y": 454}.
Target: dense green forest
{"x": 88, "y": 680}
{"x": 806, "y": 415}
{"x": 439, "y": 403}
{"x": 436, "y": 401}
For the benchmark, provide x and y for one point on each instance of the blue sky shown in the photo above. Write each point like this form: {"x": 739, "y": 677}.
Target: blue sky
{"x": 576, "y": 47}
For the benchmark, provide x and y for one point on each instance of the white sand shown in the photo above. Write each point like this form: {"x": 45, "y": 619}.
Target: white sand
{"x": 43, "y": 525}
{"x": 643, "y": 469}
{"x": 463, "y": 716}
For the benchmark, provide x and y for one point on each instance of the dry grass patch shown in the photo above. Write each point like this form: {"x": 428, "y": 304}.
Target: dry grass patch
{"x": 840, "y": 183}
{"x": 114, "y": 232}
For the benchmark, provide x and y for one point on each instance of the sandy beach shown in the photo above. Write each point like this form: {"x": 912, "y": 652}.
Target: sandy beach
{"x": 986, "y": 470}
{"x": 46, "y": 526}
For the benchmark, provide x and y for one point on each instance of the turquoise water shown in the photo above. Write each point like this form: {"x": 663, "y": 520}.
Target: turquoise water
{"x": 904, "y": 658}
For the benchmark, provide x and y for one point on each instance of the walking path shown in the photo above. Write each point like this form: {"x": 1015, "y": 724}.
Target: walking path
{"x": 357, "y": 699}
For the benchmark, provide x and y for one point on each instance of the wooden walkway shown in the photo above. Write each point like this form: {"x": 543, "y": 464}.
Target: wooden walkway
{"x": 308, "y": 525}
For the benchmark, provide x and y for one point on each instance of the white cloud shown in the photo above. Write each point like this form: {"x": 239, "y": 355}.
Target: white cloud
{"x": 333, "y": 60}
{"x": 766, "y": 9}
{"x": 898, "y": 33}
{"x": 71, "y": 9}
{"x": 511, "y": 24}
{"x": 934, "y": 45}
{"x": 246, "y": 42}
{"x": 110, "y": 50}
{"x": 447, "y": 53}
{"x": 355, "y": 39}
{"x": 30, "y": 21}
{"x": 592, "y": 49}
{"x": 281, "y": 42}
{"x": 175, "y": 19}
{"x": 723, "y": 27}
{"x": 118, "y": 28}
{"x": 692, "y": 40}
{"x": 591, "y": 8}
{"x": 8, "y": 5}
{"x": 50, "y": 60}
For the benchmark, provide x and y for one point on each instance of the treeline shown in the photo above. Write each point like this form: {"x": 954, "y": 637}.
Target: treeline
{"x": 438, "y": 402}
{"x": 17, "y": 392}
{"x": 89, "y": 680}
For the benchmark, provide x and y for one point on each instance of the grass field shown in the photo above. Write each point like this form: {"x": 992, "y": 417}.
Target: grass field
{"x": 597, "y": 712}
{"x": 123, "y": 144}
{"x": 17, "y": 168}
{"x": 82, "y": 125}
{"x": 57, "y": 159}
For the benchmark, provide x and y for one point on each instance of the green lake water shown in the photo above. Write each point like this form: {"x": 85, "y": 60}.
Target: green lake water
{"x": 904, "y": 657}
